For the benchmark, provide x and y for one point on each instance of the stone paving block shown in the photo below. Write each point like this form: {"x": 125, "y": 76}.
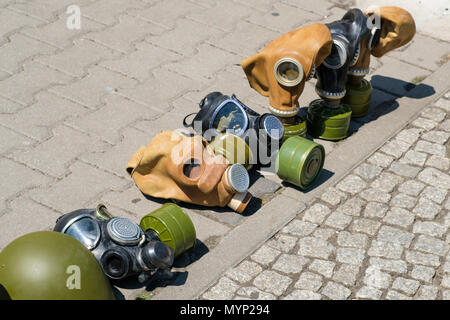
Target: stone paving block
{"x": 288, "y": 263}
{"x": 375, "y": 210}
{"x": 400, "y": 217}
{"x": 20, "y": 48}
{"x": 431, "y": 245}
{"x": 336, "y": 291}
{"x": 299, "y": 228}
{"x": 366, "y": 226}
{"x": 346, "y": 274}
{"x": 423, "y": 273}
{"x": 426, "y": 259}
{"x": 18, "y": 177}
{"x": 440, "y": 137}
{"x": 398, "y": 266}
{"x": 430, "y": 228}
{"x": 338, "y": 220}
{"x": 91, "y": 90}
{"x": 428, "y": 293}
{"x": 81, "y": 55}
{"x": 57, "y": 34}
{"x": 12, "y": 20}
{"x": 71, "y": 193}
{"x": 374, "y": 277}
{"x": 283, "y": 17}
{"x": 386, "y": 182}
{"x": 45, "y": 10}
{"x": 316, "y": 213}
{"x": 282, "y": 242}
{"x": 22, "y": 86}
{"x": 431, "y": 148}
{"x": 395, "y": 295}
{"x": 434, "y": 114}
{"x": 402, "y": 200}
{"x": 124, "y": 34}
{"x": 414, "y": 157}
{"x": 24, "y": 217}
{"x": 368, "y": 292}
{"x": 411, "y": 187}
{"x": 375, "y": 195}
{"x": 188, "y": 35}
{"x": 409, "y": 135}
{"x": 272, "y": 282}
{"x": 223, "y": 290}
{"x": 246, "y": 271}
{"x": 324, "y": 233}
{"x": 436, "y": 194}
{"x": 445, "y": 125}
{"x": 395, "y": 235}
{"x": 247, "y": 39}
{"x": 10, "y": 140}
{"x": 367, "y": 171}
{"x": 320, "y": 7}
{"x": 443, "y": 104}
{"x": 315, "y": 247}
{"x": 255, "y": 294}
{"x": 352, "y": 207}
{"x": 438, "y": 162}
{"x": 352, "y": 184}
{"x": 107, "y": 11}
{"x": 380, "y": 159}
{"x": 425, "y": 124}
{"x": 303, "y": 295}
{"x": 322, "y": 267}
{"x": 265, "y": 255}
{"x": 55, "y": 154}
{"x": 333, "y": 196}
{"x": 383, "y": 249}
{"x": 347, "y": 239}
{"x": 352, "y": 256}
{"x": 426, "y": 209}
{"x": 8, "y": 106}
{"x": 404, "y": 170}
{"x": 395, "y": 148}
{"x": 309, "y": 281}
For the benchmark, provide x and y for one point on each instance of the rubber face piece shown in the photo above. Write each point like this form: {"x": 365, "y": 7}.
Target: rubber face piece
{"x": 328, "y": 123}
{"x": 358, "y": 98}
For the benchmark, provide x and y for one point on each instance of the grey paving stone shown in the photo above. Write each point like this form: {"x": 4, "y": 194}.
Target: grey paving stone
{"x": 309, "y": 281}
{"x": 431, "y": 245}
{"x": 426, "y": 209}
{"x": 394, "y": 295}
{"x": 336, "y": 291}
{"x": 428, "y": 293}
{"x": 402, "y": 200}
{"x": 435, "y": 178}
{"x": 347, "y": 239}
{"x": 352, "y": 207}
{"x": 386, "y": 182}
{"x": 445, "y": 281}
{"x": 380, "y": 159}
{"x": 223, "y": 290}
{"x": 404, "y": 170}
{"x": 414, "y": 157}
{"x": 438, "y": 195}
{"x": 263, "y": 186}
{"x": 303, "y": 295}
{"x": 445, "y": 125}
{"x": 439, "y": 137}
{"x": 423, "y": 273}
{"x": 395, "y": 148}
{"x": 366, "y": 226}
{"x": 346, "y": 274}
{"x": 352, "y": 256}
{"x": 446, "y": 267}
{"x": 375, "y": 210}
{"x": 289, "y": 263}
{"x": 398, "y": 266}
{"x": 368, "y": 292}
{"x": 438, "y": 162}
{"x": 324, "y": 233}
{"x": 316, "y": 213}
{"x": 395, "y": 235}
{"x": 443, "y": 104}
{"x": 424, "y": 123}
{"x": 375, "y": 195}
{"x": 426, "y": 259}
{"x": 409, "y": 135}
{"x": 411, "y": 187}
{"x": 351, "y": 184}
{"x": 333, "y": 196}
{"x": 338, "y": 220}
{"x": 255, "y": 294}
{"x": 430, "y": 148}
{"x": 433, "y": 114}
{"x": 430, "y": 228}
{"x": 272, "y": 282}
{"x": 383, "y": 249}
{"x": 315, "y": 247}
{"x": 299, "y": 228}
{"x": 282, "y": 242}
{"x": 265, "y": 255}
{"x": 367, "y": 171}
{"x": 408, "y": 286}
{"x": 246, "y": 271}
{"x": 374, "y": 277}
{"x": 446, "y": 295}
{"x": 399, "y": 216}
{"x": 323, "y": 267}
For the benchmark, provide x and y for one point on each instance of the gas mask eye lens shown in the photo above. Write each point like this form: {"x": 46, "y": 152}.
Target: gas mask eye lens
{"x": 338, "y": 55}
{"x": 288, "y": 72}
{"x": 191, "y": 169}
{"x": 231, "y": 118}
{"x": 374, "y": 38}
{"x": 85, "y": 230}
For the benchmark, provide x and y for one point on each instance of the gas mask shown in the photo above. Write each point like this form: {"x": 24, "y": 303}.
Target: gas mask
{"x": 392, "y": 27}
{"x": 221, "y": 114}
{"x": 281, "y": 69}
{"x": 122, "y": 248}
{"x": 185, "y": 168}
{"x": 328, "y": 118}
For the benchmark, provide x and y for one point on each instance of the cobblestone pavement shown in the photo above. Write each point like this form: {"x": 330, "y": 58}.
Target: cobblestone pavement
{"x": 381, "y": 233}
{"x": 76, "y": 104}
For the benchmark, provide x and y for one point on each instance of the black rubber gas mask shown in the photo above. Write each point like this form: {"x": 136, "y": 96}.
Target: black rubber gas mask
{"x": 122, "y": 248}
{"x": 220, "y": 113}
{"x": 347, "y": 35}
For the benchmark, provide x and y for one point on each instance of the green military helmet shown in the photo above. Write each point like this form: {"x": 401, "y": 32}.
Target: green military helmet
{"x": 49, "y": 265}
